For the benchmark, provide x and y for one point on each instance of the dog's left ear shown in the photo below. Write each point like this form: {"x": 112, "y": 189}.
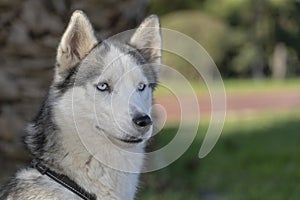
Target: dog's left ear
{"x": 147, "y": 39}
{"x": 77, "y": 41}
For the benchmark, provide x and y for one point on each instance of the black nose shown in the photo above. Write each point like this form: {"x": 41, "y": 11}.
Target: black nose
{"x": 142, "y": 120}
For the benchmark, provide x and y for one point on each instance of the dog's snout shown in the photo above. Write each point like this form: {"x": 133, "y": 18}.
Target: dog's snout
{"x": 142, "y": 120}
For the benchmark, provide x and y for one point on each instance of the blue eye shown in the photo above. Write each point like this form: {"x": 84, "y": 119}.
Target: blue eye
{"x": 103, "y": 87}
{"x": 141, "y": 87}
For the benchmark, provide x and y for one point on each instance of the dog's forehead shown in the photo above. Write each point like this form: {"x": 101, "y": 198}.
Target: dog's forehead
{"x": 120, "y": 61}
{"x": 114, "y": 59}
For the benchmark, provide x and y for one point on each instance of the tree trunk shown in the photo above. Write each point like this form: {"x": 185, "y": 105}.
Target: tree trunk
{"x": 29, "y": 34}
{"x": 279, "y": 61}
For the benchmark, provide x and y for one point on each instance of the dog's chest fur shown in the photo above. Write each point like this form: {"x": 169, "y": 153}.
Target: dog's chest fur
{"x": 106, "y": 183}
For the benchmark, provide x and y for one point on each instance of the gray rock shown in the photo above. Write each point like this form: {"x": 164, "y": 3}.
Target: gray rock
{"x": 41, "y": 21}
{"x": 9, "y": 89}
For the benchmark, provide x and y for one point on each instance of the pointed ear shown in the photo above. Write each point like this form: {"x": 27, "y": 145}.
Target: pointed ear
{"x": 147, "y": 39}
{"x": 77, "y": 41}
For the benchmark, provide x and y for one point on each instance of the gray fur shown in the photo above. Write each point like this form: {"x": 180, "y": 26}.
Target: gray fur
{"x": 92, "y": 62}
{"x": 45, "y": 137}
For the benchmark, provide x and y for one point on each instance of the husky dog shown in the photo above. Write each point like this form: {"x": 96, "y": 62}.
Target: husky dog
{"x": 80, "y": 156}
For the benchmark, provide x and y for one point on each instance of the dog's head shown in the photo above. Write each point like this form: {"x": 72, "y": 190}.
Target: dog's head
{"x": 107, "y": 85}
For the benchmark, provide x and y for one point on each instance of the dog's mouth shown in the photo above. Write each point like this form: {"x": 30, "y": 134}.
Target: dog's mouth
{"x": 132, "y": 140}
{"x": 128, "y": 139}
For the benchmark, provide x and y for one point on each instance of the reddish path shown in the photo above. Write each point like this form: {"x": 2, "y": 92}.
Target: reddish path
{"x": 236, "y": 103}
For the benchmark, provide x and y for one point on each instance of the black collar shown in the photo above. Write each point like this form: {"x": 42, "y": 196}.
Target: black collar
{"x": 63, "y": 180}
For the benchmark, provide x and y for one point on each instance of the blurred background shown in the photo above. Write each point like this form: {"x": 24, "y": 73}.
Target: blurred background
{"x": 256, "y": 47}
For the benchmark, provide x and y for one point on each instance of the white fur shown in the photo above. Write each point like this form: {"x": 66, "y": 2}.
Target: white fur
{"x": 96, "y": 158}
{"x": 148, "y": 35}
{"x": 76, "y": 42}
{"x": 92, "y": 123}
{"x": 82, "y": 139}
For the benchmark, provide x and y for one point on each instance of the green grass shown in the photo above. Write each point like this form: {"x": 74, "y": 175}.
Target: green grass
{"x": 255, "y": 158}
{"x": 238, "y": 86}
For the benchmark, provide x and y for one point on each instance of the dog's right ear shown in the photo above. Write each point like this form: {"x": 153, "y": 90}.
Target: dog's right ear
{"x": 77, "y": 41}
{"x": 148, "y": 40}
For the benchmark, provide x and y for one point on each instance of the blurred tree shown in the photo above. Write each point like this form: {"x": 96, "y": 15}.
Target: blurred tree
{"x": 161, "y": 7}
{"x": 256, "y": 26}
{"x": 287, "y": 31}
{"x": 205, "y": 29}
{"x": 265, "y": 23}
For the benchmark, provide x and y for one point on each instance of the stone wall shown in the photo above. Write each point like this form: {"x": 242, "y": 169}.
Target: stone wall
{"x": 29, "y": 34}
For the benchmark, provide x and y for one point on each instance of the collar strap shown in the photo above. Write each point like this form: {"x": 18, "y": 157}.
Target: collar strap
{"x": 63, "y": 180}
